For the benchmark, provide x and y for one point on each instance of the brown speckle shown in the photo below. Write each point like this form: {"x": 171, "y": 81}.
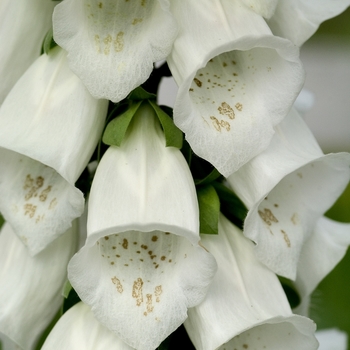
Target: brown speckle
{"x": 125, "y": 243}
{"x": 118, "y": 284}
{"x": 198, "y": 82}
{"x": 154, "y": 238}
{"x": 137, "y": 291}
{"x": 239, "y": 106}
{"x": 267, "y": 216}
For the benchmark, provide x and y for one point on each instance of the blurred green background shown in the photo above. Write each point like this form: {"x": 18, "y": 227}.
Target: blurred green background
{"x": 330, "y": 303}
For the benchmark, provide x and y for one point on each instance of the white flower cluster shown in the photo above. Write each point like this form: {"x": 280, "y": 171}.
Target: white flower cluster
{"x": 146, "y": 267}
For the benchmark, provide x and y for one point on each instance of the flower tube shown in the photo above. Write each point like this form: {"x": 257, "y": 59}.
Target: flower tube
{"x": 298, "y": 20}
{"x": 78, "y": 329}
{"x": 112, "y": 44}
{"x": 235, "y": 85}
{"x": 50, "y": 125}
{"x": 287, "y": 189}
{"x": 30, "y": 287}
{"x": 245, "y": 307}
{"x": 24, "y": 24}
{"x": 141, "y": 266}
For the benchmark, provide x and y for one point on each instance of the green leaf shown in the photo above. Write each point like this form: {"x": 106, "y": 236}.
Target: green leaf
{"x": 290, "y": 291}
{"x": 173, "y": 135}
{"x": 116, "y": 129}
{"x": 209, "y": 209}
{"x": 49, "y": 43}
{"x": 140, "y": 94}
{"x": 66, "y": 289}
{"x": 212, "y": 176}
{"x": 231, "y": 206}
{"x": 2, "y": 221}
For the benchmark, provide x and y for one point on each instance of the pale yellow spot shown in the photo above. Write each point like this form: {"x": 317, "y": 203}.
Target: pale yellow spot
{"x": 267, "y": 216}
{"x": 119, "y": 42}
{"x": 118, "y": 284}
{"x": 137, "y": 291}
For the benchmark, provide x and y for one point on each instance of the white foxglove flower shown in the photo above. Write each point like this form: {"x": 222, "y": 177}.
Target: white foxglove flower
{"x": 319, "y": 255}
{"x": 236, "y": 80}
{"x": 332, "y": 339}
{"x": 49, "y": 127}
{"x": 142, "y": 267}
{"x": 287, "y": 189}
{"x": 112, "y": 44}
{"x": 77, "y": 329}
{"x": 298, "y": 20}
{"x": 30, "y": 287}
{"x": 245, "y": 307}
{"x": 24, "y": 24}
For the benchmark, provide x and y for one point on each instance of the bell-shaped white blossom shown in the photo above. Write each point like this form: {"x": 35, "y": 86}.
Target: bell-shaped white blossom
{"x": 245, "y": 307}
{"x": 30, "y": 287}
{"x": 319, "y": 255}
{"x": 24, "y": 24}
{"x": 287, "y": 189}
{"x": 142, "y": 266}
{"x": 49, "y": 127}
{"x": 112, "y": 45}
{"x": 236, "y": 80}
{"x": 298, "y": 20}
{"x": 332, "y": 339}
{"x": 78, "y": 329}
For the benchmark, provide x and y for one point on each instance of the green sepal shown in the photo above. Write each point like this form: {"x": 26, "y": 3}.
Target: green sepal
{"x": 231, "y": 206}
{"x": 140, "y": 94}
{"x": 212, "y": 176}
{"x": 173, "y": 135}
{"x": 290, "y": 291}
{"x": 116, "y": 129}
{"x": 2, "y": 221}
{"x": 66, "y": 289}
{"x": 209, "y": 210}
{"x": 48, "y": 43}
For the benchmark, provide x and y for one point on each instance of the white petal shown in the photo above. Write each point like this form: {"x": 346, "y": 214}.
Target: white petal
{"x": 298, "y": 20}
{"x": 287, "y": 189}
{"x": 125, "y": 36}
{"x": 321, "y": 253}
{"x": 235, "y": 85}
{"x": 53, "y": 124}
{"x": 245, "y": 307}
{"x": 78, "y": 329}
{"x": 51, "y": 117}
{"x": 142, "y": 267}
{"x": 149, "y": 185}
{"x": 37, "y": 201}
{"x": 265, "y": 8}
{"x": 332, "y": 339}
{"x": 30, "y": 288}
{"x": 24, "y": 24}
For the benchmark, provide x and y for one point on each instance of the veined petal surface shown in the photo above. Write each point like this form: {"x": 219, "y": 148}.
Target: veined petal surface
{"x": 112, "y": 44}
{"x": 235, "y": 85}
{"x": 30, "y": 287}
{"x": 287, "y": 189}
{"x": 78, "y": 329}
{"x": 265, "y": 8}
{"x": 245, "y": 307}
{"x": 142, "y": 266}
{"x": 298, "y": 20}
{"x": 50, "y": 116}
{"x": 23, "y": 25}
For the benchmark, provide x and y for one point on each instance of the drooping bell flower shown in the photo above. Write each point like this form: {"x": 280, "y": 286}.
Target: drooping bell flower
{"x": 298, "y": 20}
{"x": 24, "y": 24}
{"x": 112, "y": 45}
{"x": 49, "y": 127}
{"x": 31, "y": 287}
{"x": 245, "y": 307}
{"x": 142, "y": 266}
{"x": 78, "y": 329}
{"x": 287, "y": 189}
{"x": 235, "y": 85}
